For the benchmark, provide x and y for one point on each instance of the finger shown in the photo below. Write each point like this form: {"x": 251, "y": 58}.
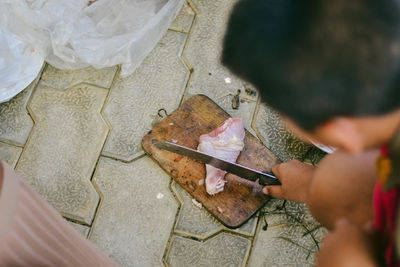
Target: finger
{"x": 275, "y": 170}
{"x": 273, "y": 191}
{"x": 296, "y": 162}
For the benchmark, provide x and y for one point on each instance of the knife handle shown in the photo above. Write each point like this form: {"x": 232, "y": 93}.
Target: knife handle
{"x": 271, "y": 180}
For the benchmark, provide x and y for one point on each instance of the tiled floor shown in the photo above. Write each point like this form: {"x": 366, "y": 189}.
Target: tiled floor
{"x": 75, "y": 137}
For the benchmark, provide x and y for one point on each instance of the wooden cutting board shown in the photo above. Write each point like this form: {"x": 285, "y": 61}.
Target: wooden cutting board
{"x": 196, "y": 116}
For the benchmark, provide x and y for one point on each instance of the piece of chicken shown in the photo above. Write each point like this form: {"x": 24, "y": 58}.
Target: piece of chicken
{"x": 224, "y": 142}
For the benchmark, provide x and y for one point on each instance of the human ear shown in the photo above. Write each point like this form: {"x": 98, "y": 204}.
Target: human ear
{"x": 342, "y": 132}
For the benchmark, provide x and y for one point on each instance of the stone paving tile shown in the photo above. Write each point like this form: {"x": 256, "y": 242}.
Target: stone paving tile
{"x": 290, "y": 232}
{"x": 248, "y": 228}
{"x": 137, "y": 212}
{"x": 285, "y": 246}
{"x": 276, "y": 137}
{"x": 62, "y": 79}
{"x": 314, "y": 156}
{"x": 280, "y": 212}
{"x": 15, "y": 122}
{"x": 133, "y": 103}
{"x": 199, "y": 223}
{"x": 192, "y": 220}
{"x": 203, "y": 54}
{"x": 60, "y": 156}
{"x": 221, "y": 250}
{"x": 184, "y": 19}
{"x": 82, "y": 229}
{"x": 10, "y": 153}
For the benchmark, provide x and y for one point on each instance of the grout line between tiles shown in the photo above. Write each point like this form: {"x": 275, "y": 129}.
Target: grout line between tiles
{"x": 185, "y": 61}
{"x": 177, "y": 216}
{"x": 11, "y": 143}
{"x": 31, "y": 114}
{"x": 178, "y": 30}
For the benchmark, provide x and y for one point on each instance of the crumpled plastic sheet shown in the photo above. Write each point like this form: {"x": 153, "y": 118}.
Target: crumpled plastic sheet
{"x": 73, "y": 34}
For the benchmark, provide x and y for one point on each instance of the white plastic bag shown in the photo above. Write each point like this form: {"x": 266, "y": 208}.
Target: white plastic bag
{"x": 111, "y": 32}
{"x": 73, "y": 34}
{"x": 19, "y": 65}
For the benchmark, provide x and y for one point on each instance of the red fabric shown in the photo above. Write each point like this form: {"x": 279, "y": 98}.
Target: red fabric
{"x": 385, "y": 211}
{"x": 385, "y": 150}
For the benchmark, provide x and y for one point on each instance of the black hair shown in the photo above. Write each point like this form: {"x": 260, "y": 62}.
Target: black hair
{"x": 313, "y": 60}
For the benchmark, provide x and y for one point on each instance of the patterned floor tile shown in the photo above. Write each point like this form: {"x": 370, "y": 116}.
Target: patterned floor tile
{"x": 199, "y": 223}
{"x": 184, "y": 19}
{"x": 133, "y": 103}
{"x": 82, "y": 229}
{"x": 9, "y": 153}
{"x": 285, "y": 246}
{"x": 62, "y": 79}
{"x": 137, "y": 211}
{"x": 15, "y": 122}
{"x": 221, "y": 250}
{"x": 280, "y": 212}
{"x": 203, "y": 54}
{"x": 314, "y": 156}
{"x": 276, "y": 137}
{"x": 194, "y": 221}
{"x": 248, "y": 228}
{"x": 60, "y": 156}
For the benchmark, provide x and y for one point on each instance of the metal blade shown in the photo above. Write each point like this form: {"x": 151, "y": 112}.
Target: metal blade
{"x": 231, "y": 167}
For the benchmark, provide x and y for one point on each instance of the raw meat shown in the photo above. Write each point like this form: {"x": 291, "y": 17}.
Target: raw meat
{"x": 224, "y": 142}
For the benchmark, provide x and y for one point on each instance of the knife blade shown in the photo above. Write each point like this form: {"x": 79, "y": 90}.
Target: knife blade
{"x": 231, "y": 167}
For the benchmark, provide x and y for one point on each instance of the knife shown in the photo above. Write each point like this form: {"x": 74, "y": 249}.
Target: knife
{"x": 231, "y": 167}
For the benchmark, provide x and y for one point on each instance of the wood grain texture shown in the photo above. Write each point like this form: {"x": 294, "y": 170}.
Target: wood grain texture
{"x": 197, "y": 116}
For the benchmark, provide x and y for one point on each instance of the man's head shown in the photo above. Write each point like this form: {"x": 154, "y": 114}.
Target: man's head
{"x": 316, "y": 60}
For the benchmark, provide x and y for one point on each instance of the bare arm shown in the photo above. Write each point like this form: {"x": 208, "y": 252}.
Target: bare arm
{"x": 340, "y": 186}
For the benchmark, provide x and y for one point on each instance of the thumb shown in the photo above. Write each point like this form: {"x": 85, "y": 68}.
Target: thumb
{"x": 273, "y": 191}
{"x": 275, "y": 169}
